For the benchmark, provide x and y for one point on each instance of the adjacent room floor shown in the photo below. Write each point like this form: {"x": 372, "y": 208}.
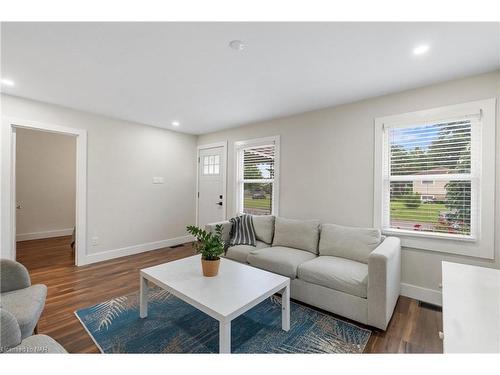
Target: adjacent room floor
{"x": 413, "y": 329}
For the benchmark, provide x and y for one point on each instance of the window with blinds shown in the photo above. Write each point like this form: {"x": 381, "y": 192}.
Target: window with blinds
{"x": 431, "y": 177}
{"x": 256, "y": 178}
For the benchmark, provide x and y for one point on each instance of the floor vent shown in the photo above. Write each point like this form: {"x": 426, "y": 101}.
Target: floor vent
{"x": 429, "y": 306}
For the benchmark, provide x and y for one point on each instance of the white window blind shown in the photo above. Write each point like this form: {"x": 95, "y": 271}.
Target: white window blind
{"x": 256, "y": 178}
{"x": 431, "y": 177}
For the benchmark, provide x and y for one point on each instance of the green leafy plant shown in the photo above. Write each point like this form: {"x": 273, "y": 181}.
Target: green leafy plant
{"x": 209, "y": 245}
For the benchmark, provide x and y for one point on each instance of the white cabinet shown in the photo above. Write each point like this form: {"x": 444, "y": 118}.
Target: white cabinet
{"x": 471, "y": 309}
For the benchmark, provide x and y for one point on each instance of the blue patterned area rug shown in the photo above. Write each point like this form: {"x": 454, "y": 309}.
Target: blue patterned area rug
{"x": 173, "y": 326}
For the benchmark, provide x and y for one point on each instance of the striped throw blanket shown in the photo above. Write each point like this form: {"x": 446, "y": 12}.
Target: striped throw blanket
{"x": 242, "y": 231}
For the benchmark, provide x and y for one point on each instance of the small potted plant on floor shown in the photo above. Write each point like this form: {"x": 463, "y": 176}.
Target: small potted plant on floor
{"x": 211, "y": 247}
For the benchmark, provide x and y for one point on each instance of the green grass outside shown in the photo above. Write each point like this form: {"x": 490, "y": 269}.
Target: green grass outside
{"x": 257, "y": 203}
{"x": 426, "y": 213}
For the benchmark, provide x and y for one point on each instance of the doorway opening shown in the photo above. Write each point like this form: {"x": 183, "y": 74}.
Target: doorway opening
{"x": 45, "y": 174}
{"x": 8, "y": 231}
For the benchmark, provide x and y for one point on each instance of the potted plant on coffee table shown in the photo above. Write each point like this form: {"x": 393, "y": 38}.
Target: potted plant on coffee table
{"x": 211, "y": 247}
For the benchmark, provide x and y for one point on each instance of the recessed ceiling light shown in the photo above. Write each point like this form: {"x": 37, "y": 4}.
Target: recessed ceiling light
{"x": 421, "y": 49}
{"x": 237, "y": 45}
{"x": 7, "y": 82}
{"x": 175, "y": 123}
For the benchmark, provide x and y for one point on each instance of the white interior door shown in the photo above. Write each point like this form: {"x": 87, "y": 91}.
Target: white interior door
{"x": 211, "y": 179}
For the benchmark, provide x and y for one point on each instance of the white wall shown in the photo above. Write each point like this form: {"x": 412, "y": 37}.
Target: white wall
{"x": 327, "y": 164}
{"x": 45, "y": 184}
{"x": 125, "y": 210}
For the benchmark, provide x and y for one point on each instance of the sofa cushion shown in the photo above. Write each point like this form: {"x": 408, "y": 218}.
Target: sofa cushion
{"x": 348, "y": 242}
{"x": 26, "y": 305}
{"x": 341, "y": 274}
{"x": 280, "y": 260}
{"x": 264, "y": 228}
{"x": 240, "y": 253}
{"x": 299, "y": 234}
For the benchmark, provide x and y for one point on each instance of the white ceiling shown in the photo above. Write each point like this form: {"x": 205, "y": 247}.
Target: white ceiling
{"x": 154, "y": 73}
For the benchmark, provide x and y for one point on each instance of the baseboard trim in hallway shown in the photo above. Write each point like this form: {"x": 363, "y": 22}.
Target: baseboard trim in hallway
{"x": 135, "y": 249}
{"x": 44, "y": 234}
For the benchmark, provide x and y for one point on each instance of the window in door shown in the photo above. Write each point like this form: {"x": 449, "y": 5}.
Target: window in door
{"x": 211, "y": 165}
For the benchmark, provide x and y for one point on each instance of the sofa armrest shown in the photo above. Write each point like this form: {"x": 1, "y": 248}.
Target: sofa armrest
{"x": 384, "y": 281}
{"x": 13, "y": 276}
{"x": 226, "y": 229}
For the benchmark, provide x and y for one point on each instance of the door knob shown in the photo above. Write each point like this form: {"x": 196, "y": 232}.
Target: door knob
{"x": 220, "y": 203}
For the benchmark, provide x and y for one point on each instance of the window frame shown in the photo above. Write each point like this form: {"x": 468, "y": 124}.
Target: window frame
{"x": 473, "y": 177}
{"x": 481, "y": 242}
{"x": 239, "y": 147}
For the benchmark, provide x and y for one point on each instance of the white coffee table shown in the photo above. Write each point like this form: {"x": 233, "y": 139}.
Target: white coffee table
{"x": 236, "y": 289}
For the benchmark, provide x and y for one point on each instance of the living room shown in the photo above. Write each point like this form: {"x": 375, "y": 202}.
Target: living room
{"x": 253, "y": 187}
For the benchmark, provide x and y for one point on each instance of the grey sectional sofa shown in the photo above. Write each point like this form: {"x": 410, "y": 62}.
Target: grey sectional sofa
{"x": 352, "y": 272}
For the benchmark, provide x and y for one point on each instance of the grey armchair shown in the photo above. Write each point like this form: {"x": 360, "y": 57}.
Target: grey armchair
{"x": 11, "y": 342}
{"x": 21, "y": 299}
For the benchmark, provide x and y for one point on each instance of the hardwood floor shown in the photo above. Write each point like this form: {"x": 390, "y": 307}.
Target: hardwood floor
{"x": 413, "y": 328}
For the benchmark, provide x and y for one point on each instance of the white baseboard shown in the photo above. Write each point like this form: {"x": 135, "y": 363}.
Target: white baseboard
{"x": 422, "y": 294}
{"x": 136, "y": 249}
{"x": 44, "y": 234}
